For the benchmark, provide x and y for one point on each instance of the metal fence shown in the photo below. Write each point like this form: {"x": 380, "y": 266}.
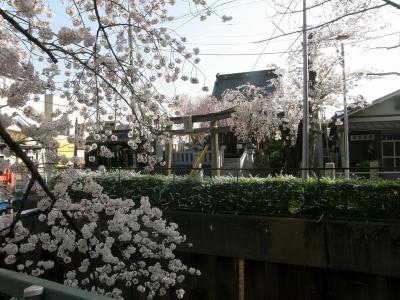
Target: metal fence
{"x": 339, "y": 173}
{"x": 24, "y": 286}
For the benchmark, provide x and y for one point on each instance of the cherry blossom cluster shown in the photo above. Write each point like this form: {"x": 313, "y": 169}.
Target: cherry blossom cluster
{"x": 258, "y": 111}
{"x": 104, "y": 244}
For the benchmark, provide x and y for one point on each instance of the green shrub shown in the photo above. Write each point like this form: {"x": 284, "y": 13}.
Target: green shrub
{"x": 273, "y": 195}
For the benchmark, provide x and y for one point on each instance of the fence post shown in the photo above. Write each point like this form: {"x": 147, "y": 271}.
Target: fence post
{"x": 330, "y": 170}
{"x": 241, "y": 278}
{"x": 237, "y": 184}
{"x": 374, "y": 170}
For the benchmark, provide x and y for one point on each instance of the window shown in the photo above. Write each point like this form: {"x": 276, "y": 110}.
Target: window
{"x": 391, "y": 154}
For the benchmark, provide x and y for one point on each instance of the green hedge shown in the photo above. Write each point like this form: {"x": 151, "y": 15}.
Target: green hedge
{"x": 275, "y": 195}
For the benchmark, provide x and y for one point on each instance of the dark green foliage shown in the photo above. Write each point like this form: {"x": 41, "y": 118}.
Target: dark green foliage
{"x": 274, "y": 195}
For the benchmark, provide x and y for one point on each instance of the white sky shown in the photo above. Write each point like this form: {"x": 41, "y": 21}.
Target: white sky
{"x": 251, "y": 22}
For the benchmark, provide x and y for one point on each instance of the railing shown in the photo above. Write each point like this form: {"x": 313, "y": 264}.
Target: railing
{"x": 354, "y": 173}
{"x": 25, "y": 286}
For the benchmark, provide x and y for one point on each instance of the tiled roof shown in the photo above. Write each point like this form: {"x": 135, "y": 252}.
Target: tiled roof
{"x": 232, "y": 81}
{"x": 376, "y": 125}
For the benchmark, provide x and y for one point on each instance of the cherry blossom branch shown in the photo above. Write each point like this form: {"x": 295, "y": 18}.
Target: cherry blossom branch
{"x": 18, "y": 215}
{"x": 97, "y": 74}
{"x": 37, "y": 177}
{"x": 15, "y": 147}
{"x": 103, "y": 29}
{"x": 29, "y": 36}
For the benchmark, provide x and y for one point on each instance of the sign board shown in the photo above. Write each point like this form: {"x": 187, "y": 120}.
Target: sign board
{"x": 362, "y": 137}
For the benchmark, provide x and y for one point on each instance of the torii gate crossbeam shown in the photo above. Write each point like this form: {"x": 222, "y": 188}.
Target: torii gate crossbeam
{"x": 213, "y": 118}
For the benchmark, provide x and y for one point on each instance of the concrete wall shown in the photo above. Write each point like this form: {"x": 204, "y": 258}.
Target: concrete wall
{"x": 288, "y": 258}
{"x": 368, "y": 247}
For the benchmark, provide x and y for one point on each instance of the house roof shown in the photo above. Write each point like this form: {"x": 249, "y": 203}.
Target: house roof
{"x": 375, "y": 102}
{"x": 376, "y": 125}
{"x": 232, "y": 81}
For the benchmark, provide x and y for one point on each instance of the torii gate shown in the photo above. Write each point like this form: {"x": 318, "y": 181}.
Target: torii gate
{"x": 188, "y": 121}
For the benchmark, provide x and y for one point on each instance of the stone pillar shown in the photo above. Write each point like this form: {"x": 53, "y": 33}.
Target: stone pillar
{"x": 374, "y": 171}
{"x": 214, "y": 150}
{"x": 330, "y": 170}
{"x": 48, "y": 107}
{"x": 250, "y": 158}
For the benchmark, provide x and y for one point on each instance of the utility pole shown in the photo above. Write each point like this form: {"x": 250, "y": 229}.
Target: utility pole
{"x": 345, "y": 120}
{"x": 48, "y": 115}
{"x": 305, "y": 155}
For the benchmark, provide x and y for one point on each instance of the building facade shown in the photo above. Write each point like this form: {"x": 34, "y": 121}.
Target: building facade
{"x": 374, "y": 134}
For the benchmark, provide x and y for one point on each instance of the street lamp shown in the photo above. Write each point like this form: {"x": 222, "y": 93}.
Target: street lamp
{"x": 346, "y": 163}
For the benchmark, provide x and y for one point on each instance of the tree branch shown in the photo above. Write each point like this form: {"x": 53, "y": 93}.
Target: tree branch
{"x": 384, "y": 74}
{"x": 36, "y": 176}
{"x": 392, "y": 3}
{"x": 26, "y": 33}
{"x": 25, "y": 159}
{"x": 387, "y": 48}
{"x": 23, "y": 200}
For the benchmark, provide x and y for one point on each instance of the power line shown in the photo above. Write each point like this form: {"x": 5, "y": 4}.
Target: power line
{"x": 323, "y": 24}
{"x": 372, "y": 38}
{"x": 232, "y": 36}
{"x": 309, "y": 7}
{"x": 273, "y": 33}
{"x": 247, "y": 54}
{"x": 42, "y": 101}
{"x": 221, "y": 44}
{"x": 291, "y": 45}
{"x": 237, "y": 43}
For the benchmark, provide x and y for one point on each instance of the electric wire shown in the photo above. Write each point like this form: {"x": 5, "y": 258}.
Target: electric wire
{"x": 273, "y": 33}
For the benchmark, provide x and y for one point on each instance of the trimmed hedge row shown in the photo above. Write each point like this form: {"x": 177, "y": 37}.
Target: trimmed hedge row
{"x": 275, "y": 195}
